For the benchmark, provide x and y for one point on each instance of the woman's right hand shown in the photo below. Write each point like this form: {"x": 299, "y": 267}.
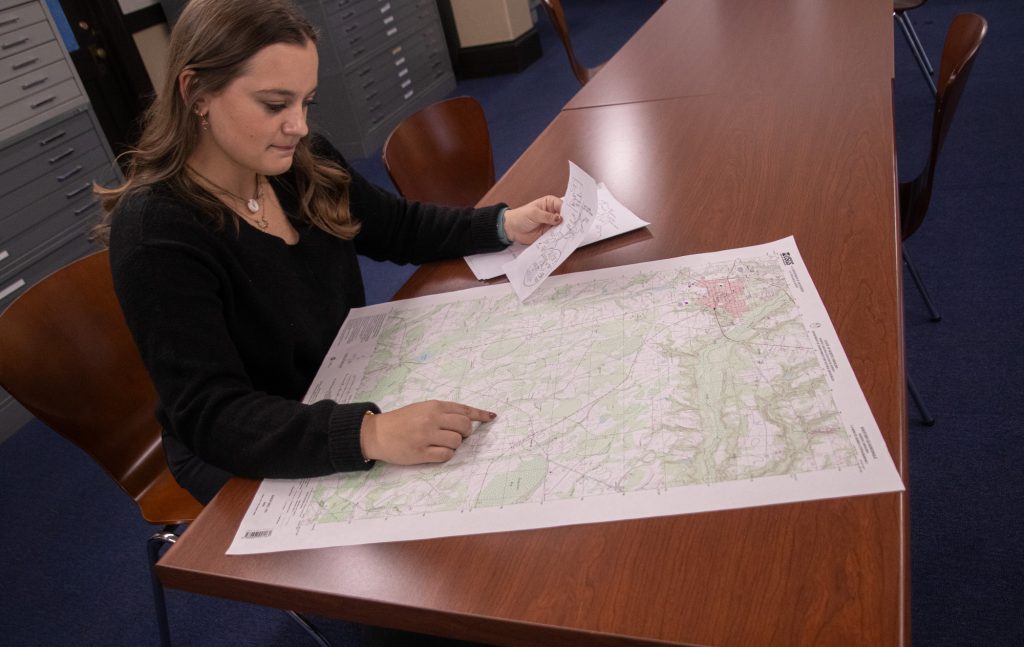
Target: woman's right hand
{"x": 424, "y": 432}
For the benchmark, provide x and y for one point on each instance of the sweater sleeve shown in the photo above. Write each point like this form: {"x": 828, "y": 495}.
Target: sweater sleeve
{"x": 171, "y": 281}
{"x": 401, "y": 231}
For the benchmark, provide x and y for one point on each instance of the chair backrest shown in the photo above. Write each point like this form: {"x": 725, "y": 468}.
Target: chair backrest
{"x": 557, "y": 16}
{"x": 958, "y": 53}
{"x": 442, "y": 154}
{"x": 67, "y": 355}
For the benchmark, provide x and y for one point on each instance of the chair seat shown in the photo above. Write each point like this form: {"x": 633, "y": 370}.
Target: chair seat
{"x": 166, "y": 503}
{"x": 906, "y": 5}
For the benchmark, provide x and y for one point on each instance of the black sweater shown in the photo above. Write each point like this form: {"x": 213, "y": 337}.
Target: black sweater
{"x": 233, "y": 325}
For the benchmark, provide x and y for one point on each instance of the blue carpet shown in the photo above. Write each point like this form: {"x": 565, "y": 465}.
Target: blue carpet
{"x": 74, "y": 566}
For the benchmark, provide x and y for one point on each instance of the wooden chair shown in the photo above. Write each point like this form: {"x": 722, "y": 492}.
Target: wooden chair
{"x": 899, "y": 14}
{"x": 557, "y": 16}
{"x": 962, "y": 43}
{"x": 442, "y": 154}
{"x": 67, "y": 356}
{"x": 958, "y": 53}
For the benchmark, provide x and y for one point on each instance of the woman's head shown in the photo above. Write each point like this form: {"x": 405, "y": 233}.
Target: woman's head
{"x": 213, "y": 44}
{"x": 239, "y": 76}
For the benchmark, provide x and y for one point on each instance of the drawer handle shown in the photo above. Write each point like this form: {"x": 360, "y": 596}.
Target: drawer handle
{"x": 18, "y": 66}
{"x": 40, "y": 104}
{"x": 3, "y": 254}
{"x": 368, "y": 83}
{"x": 74, "y": 171}
{"x": 52, "y": 138}
{"x": 9, "y": 21}
{"x": 351, "y": 28}
{"x": 12, "y": 288}
{"x": 77, "y": 191}
{"x": 14, "y": 43}
{"x": 32, "y": 84}
{"x": 54, "y": 160}
{"x": 79, "y": 211}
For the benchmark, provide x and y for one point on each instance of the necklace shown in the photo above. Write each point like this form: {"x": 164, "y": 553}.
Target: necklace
{"x": 252, "y": 204}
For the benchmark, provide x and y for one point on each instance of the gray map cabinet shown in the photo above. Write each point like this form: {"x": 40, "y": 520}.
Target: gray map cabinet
{"x": 51, "y": 151}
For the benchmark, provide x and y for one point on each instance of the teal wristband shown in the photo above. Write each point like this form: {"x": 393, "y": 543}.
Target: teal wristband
{"x": 501, "y": 227}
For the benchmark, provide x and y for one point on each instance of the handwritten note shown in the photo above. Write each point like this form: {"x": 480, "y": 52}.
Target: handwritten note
{"x": 540, "y": 259}
{"x": 613, "y": 218}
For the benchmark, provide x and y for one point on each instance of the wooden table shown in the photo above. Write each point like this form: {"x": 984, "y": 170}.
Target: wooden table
{"x": 693, "y": 47}
{"x": 710, "y": 171}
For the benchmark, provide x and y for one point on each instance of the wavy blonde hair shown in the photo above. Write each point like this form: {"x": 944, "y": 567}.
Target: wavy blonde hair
{"x": 215, "y": 39}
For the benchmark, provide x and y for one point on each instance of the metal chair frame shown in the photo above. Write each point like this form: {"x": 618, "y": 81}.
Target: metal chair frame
{"x": 916, "y": 48}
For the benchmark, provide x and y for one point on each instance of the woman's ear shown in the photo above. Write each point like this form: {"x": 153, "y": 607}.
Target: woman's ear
{"x": 185, "y": 81}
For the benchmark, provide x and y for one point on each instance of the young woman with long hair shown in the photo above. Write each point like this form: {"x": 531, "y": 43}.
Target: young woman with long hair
{"x": 233, "y": 247}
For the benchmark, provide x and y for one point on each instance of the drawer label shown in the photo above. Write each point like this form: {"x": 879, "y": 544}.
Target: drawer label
{"x": 12, "y": 288}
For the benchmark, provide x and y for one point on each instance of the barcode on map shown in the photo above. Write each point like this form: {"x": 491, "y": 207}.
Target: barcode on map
{"x": 257, "y": 534}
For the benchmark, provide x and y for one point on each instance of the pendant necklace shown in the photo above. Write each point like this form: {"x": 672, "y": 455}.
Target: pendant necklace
{"x": 252, "y": 204}
{"x": 255, "y": 206}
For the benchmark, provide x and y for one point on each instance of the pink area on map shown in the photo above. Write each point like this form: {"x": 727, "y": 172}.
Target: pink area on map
{"x": 724, "y": 294}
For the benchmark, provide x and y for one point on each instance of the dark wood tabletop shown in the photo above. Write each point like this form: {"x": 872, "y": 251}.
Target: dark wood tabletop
{"x": 709, "y": 171}
{"x": 698, "y": 47}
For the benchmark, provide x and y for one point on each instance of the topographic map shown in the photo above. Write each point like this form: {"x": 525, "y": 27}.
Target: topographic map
{"x": 700, "y": 383}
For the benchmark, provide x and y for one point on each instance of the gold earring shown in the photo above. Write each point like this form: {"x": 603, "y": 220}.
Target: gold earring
{"x": 203, "y": 123}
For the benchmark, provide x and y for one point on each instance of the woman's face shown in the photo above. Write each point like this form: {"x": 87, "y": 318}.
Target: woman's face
{"x": 257, "y": 120}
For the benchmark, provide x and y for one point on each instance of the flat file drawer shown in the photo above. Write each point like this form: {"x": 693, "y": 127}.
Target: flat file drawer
{"x": 15, "y": 17}
{"x": 40, "y": 165}
{"x": 48, "y": 194}
{"x": 24, "y": 39}
{"x": 33, "y": 83}
{"x": 29, "y": 61}
{"x": 36, "y": 241}
{"x": 332, "y": 7}
{"x": 70, "y": 248}
{"x": 49, "y": 140}
{"x": 39, "y": 103}
{"x": 395, "y": 76}
{"x": 380, "y": 28}
{"x": 36, "y": 232}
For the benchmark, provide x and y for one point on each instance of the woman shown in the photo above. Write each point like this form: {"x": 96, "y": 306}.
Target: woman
{"x": 233, "y": 247}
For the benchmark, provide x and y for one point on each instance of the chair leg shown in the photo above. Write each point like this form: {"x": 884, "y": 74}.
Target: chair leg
{"x": 935, "y": 316}
{"x": 154, "y": 545}
{"x": 168, "y": 536}
{"x": 926, "y": 416}
{"x": 918, "y": 51}
{"x": 313, "y": 632}
{"x": 917, "y": 44}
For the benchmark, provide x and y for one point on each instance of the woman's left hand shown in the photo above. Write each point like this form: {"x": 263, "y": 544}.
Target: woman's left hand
{"x": 525, "y": 224}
